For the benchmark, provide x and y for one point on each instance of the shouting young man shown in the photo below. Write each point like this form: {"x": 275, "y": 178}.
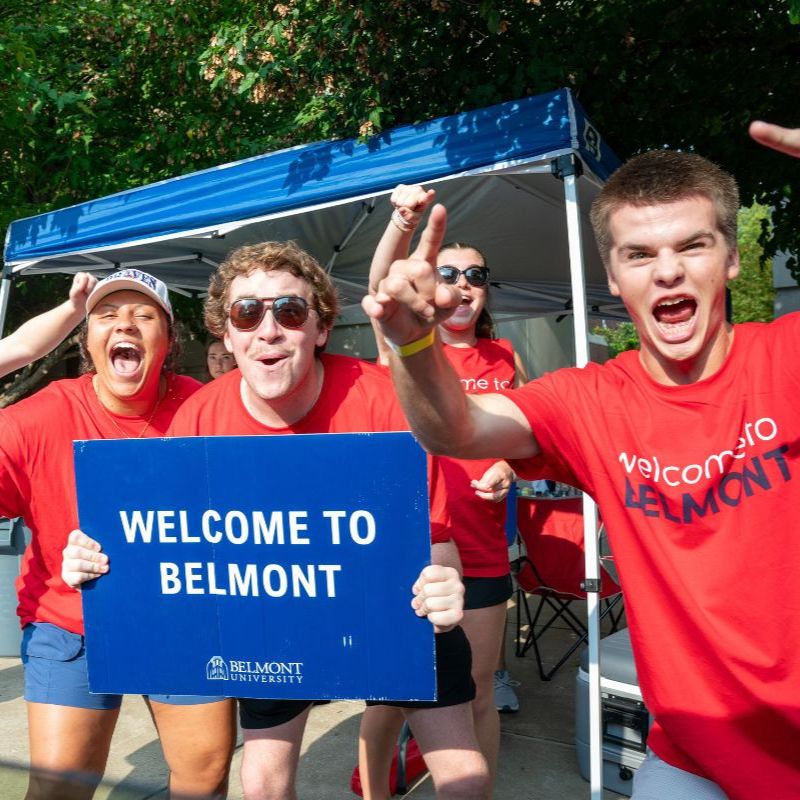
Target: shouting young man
{"x": 690, "y": 445}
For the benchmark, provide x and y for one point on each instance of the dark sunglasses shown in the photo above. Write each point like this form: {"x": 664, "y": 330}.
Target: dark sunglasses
{"x": 289, "y": 312}
{"x": 475, "y": 275}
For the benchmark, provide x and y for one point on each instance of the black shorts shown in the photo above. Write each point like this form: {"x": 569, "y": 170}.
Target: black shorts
{"x": 486, "y": 592}
{"x": 259, "y": 714}
{"x": 454, "y": 684}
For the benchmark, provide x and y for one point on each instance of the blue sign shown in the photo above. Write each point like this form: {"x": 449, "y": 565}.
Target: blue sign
{"x": 258, "y": 566}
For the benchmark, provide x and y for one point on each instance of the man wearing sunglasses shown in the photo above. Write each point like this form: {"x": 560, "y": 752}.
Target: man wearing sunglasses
{"x": 274, "y": 306}
{"x": 690, "y": 447}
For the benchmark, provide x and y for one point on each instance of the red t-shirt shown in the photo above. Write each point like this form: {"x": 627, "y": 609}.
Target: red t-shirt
{"x": 699, "y": 487}
{"x": 476, "y": 525}
{"x": 37, "y": 480}
{"x": 356, "y": 397}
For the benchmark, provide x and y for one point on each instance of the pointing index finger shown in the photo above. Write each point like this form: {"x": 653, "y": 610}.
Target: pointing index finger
{"x": 430, "y": 242}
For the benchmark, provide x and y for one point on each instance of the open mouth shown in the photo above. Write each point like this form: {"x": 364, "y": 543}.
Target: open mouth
{"x": 125, "y": 358}
{"x": 271, "y": 361}
{"x": 677, "y": 312}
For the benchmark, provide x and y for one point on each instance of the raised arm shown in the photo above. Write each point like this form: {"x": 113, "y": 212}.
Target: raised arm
{"x": 38, "y": 336}
{"x": 410, "y": 203}
{"x": 785, "y": 140}
{"x": 407, "y": 306}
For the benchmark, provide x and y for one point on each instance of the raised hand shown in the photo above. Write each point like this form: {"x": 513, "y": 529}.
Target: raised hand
{"x": 82, "y": 285}
{"x": 411, "y": 300}
{"x": 785, "y": 140}
{"x": 410, "y": 203}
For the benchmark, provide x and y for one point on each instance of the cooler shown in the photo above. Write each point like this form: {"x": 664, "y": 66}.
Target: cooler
{"x": 14, "y": 537}
{"x": 625, "y": 718}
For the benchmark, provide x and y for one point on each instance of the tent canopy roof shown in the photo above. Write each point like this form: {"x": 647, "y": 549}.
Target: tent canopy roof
{"x": 491, "y": 167}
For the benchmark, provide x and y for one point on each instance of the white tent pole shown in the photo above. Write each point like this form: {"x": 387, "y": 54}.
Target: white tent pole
{"x": 366, "y": 210}
{"x": 5, "y": 291}
{"x": 567, "y": 167}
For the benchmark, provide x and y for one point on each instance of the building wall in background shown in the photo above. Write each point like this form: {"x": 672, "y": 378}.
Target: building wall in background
{"x": 787, "y": 292}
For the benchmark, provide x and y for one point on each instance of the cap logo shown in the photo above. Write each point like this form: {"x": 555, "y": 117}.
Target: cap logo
{"x": 137, "y": 275}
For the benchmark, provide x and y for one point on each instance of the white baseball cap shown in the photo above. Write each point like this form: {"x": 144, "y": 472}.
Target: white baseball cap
{"x": 134, "y": 280}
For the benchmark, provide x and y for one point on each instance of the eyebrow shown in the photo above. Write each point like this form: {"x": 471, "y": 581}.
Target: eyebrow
{"x": 695, "y": 236}
{"x": 703, "y": 234}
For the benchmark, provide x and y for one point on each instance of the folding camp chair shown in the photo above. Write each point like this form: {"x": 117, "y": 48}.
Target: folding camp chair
{"x": 551, "y": 567}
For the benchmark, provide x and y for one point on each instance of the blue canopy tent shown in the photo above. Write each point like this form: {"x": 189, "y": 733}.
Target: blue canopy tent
{"x": 491, "y": 168}
{"x": 517, "y": 178}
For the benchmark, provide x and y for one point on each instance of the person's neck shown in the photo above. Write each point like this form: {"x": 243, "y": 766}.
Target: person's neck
{"x": 675, "y": 372}
{"x": 139, "y": 405}
{"x": 463, "y": 338}
{"x": 284, "y": 411}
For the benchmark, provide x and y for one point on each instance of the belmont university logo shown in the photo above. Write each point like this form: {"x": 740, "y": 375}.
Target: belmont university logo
{"x": 218, "y": 669}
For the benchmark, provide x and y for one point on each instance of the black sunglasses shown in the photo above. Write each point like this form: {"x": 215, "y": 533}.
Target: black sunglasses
{"x": 289, "y": 312}
{"x": 475, "y": 275}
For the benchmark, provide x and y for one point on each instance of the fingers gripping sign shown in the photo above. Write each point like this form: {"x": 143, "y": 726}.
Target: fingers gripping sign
{"x": 411, "y": 300}
{"x": 82, "y": 560}
{"x": 439, "y": 596}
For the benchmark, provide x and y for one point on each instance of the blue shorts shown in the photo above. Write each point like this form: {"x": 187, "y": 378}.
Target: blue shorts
{"x": 55, "y": 672}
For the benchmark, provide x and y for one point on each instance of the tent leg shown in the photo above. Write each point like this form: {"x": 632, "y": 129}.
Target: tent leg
{"x": 591, "y": 550}
{"x": 5, "y": 291}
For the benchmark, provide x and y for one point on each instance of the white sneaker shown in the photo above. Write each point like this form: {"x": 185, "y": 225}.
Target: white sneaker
{"x": 505, "y": 698}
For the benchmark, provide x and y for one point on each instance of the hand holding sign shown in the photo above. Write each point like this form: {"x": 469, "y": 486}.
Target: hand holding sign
{"x": 439, "y": 596}
{"x": 81, "y": 560}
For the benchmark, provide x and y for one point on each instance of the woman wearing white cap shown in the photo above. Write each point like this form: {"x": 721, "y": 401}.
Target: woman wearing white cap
{"x": 127, "y": 391}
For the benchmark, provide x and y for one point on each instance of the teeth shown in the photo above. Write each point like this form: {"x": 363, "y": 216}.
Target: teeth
{"x": 673, "y": 302}
{"x": 125, "y": 346}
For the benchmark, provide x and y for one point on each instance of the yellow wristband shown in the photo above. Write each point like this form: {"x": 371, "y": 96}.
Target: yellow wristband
{"x": 410, "y": 349}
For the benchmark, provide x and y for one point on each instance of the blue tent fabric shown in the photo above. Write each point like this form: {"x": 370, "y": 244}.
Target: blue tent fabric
{"x": 316, "y": 174}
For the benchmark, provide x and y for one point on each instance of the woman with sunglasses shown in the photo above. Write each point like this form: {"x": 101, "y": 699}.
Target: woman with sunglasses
{"x": 475, "y": 489}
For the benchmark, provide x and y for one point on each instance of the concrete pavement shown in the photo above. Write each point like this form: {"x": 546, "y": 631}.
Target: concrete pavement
{"x": 537, "y": 754}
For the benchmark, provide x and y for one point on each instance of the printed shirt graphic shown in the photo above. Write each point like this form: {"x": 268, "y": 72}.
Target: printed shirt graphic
{"x": 477, "y": 525}
{"x": 699, "y": 488}
{"x": 37, "y": 481}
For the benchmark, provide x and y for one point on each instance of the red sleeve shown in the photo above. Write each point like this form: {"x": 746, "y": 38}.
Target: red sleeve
{"x": 440, "y": 526}
{"x": 12, "y": 480}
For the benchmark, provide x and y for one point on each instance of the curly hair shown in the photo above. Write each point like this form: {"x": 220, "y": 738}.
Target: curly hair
{"x": 269, "y": 256}
{"x": 665, "y": 176}
{"x": 484, "y": 327}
